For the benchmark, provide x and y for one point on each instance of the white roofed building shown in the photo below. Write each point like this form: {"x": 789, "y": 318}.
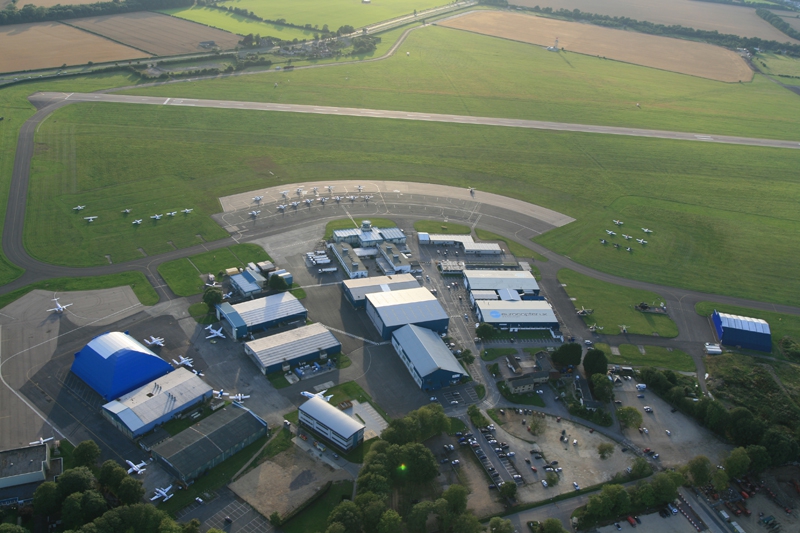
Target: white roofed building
{"x": 520, "y": 315}
{"x": 305, "y": 343}
{"x": 393, "y": 310}
{"x": 356, "y": 290}
{"x": 427, "y": 358}
{"x": 260, "y": 314}
{"x": 331, "y": 423}
{"x": 521, "y": 281}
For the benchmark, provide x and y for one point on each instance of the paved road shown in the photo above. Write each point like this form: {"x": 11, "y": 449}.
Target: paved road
{"x": 50, "y": 97}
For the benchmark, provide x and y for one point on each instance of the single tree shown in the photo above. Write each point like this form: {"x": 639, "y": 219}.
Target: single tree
{"x": 86, "y": 453}
{"x": 699, "y": 469}
{"x": 78, "y": 479}
{"x": 213, "y": 297}
{"x": 643, "y": 495}
{"x": 420, "y": 462}
{"x": 737, "y": 463}
{"x": 277, "y": 283}
{"x": 568, "y": 354}
{"x": 605, "y": 449}
{"x": 537, "y": 425}
{"x": 390, "y": 522}
{"x": 553, "y": 525}
{"x": 46, "y": 500}
{"x": 111, "y": 475}
{"x": 275, "y": 519}
{"x": 602, "y": 388}
{"x": 130, "y": 491}
{"x": 192, "y": 526}
{"x": 467, "y": 523}
{"x": 552, "y": 479}
{"x": 508, "y": 490}
{"x": 719, "y": 479}
{"x": 629, "y": 417}
{"x": 93, "y": 505}
{"x": 456, "y": 496}
{"x": 640, "y": 468}
{"x": 346, "y": 513}
{"x": 501, "y": 525}
{"x": 595, "y": 362}
{"x": 759, "y": 458}
{"x": 484, "y": 331}
{"x": 72, "y": 512}
{"x": 372, "y": 507}
{"x": 664, "y": 488}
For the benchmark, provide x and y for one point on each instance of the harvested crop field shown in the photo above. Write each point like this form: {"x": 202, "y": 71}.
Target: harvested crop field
{"x": 792, "y": 20}
{"x": 675, "y": 55}
{"x": 155, "y": 33}
{"x": 690, "y": 13}
{"x": 51, "y": 44}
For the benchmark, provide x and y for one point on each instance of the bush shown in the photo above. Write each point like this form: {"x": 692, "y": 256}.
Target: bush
{"x": 568, "y": 354}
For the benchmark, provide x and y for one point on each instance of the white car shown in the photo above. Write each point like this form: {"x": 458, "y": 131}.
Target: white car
{"x": 454, "y": 402}
{"x": 544, "y": 483}
{"x": 433, "y": 398}
{"x": 648, "y": 409}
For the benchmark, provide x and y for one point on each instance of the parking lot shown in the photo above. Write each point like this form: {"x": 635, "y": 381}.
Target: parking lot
{"x": 653, "y": 523}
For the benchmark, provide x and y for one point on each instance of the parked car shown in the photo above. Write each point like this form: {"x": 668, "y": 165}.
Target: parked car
{"x": 544, "y": 483}
{"x": 455, "y": 462}
{"x": 575, "y": 485}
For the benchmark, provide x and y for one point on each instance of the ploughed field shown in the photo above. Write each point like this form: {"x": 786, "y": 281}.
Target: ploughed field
{"x": 686, "y": 57}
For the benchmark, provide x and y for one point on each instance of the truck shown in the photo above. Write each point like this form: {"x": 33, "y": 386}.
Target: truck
{"x": 321, "y": 260}
{"x": 743, "y": 508}
{"x": 631, "y": 521}
{"x": 328, "y": 269}
{"x": 641, "y": 386}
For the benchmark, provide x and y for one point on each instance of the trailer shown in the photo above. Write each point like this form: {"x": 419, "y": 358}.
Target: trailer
{"x": 328, "y": 269}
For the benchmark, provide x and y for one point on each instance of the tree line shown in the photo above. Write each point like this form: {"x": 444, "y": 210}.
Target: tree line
{"x": 778, "y": 22}
{"x": 31, "y": 13}
{"x": 749, "y": 4}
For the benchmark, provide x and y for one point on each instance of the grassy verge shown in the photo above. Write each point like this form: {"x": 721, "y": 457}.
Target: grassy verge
{"x": 496, "y": 416}
{"x": 135, "y": 280}
{"x": 297, "y": 292}
{"x": 490, "y": 354}
{"x": 514, "y": 247}
{"x": 480, "y": 390}
{"x": 66, "y": 449}
{"x": 530, "y": 398}
{"x": 342, "y": 361}
{"x": 202, "y": 314}
{"x": 613, "y": 306}
{"x": 315, "y": 516}
{"x": 437, "y": 226}
{"x": 346, "y": 223}
{"x": 655, "y": 356}
{"x": 456, "y": 425}
{"x": 780, "y": 325}
{"x": 175, "y": 426}
{"x": 278, "y": 379}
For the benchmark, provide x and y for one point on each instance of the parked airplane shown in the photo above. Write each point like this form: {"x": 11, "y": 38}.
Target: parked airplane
{"x": 254, "y": 214}
{"x": 90, "y": 219}
{"x": 282, "y": 207}
{"x": 603, "y": 241}
{"x": 154, "y": 341}
{"x": 647, "y": 230}
{"x": 610, "y": 232}
{"x": 626, "y": 237}
{"x": 284, "y": 193}
{"x": 367, "y": 198}
{"x": 198, "y": 373}
{"x": 58, "y": 308}
{"x": 641, "y": 241}
{"x": 315, "y": 189}
{"x": 257, "y": 199}
{"x": 214, "y": 332}
{"x": 595, "y": 327}
{"x": 239, "y": 397}
{"x": 227, "y": 295}
{"x": 472, "y": 190}
{"x": 320, "y": 394}
{"x": 352, "y": 198}
{"x": 126, "y": 211}
{"x": 323, "y": 200}
{"x": 79, "y": 208}
{"x": 618, "y": 222}
{"x": 629, "y": 249}
{"x": 187, "y": 211}
{"x": 183, "y": 361}
{"x": 162, "y": 493}
{"x": 616, "y": 245}
{"x": 294, "y": 204}
{"x": 220, "y": 393}
{"x": 139, "y": 469}
{"x": 156, "y": 217}
{"x": 308, "y": 201}
{"x": 299, "y": 191}
{"x": 172, "y": 213}
{"x": 623, "y": 329}
{"x": 40, "y": 441}
{"x": 337, "y": 198}
{"x": 330, "y": 188}
{"x": 137, "y": 221}
{"x": 360, "y": 188}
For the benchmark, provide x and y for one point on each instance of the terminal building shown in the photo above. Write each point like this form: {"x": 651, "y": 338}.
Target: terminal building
{"x": 197, "y": 449}
{"x": 520, "y": 281}
{"x": 515, "y": 316}
{"x": 749, "y": 333}
{"x": 259, "y": 315}
{"x": 332, "y": 424}
{"x": 141, "y": 410}
{"x": 429, "y": 361}
{"x": 389, "y": 311}
{"x": 349, "y": 259}
{"x": 114, "y": 364}
{"x": 466, "y": 242}
{"x": 356, "y": 290}
{"x": 280, "y": 351}
{"x": 366, "y": 236}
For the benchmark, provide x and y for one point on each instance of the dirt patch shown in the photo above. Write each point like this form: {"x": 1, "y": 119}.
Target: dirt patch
{"x": 284, "y": 482}
{"x": 156, "y": 33}
{"x": 675, "y": 55}
{"x": 51, "y": 44}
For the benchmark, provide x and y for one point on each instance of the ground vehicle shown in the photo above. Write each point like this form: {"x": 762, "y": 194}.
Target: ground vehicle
{"x": 619, "y": 527}
{"x": 544, "y": 483}
{"x": 575, "y": 485}
{"x": 631, "y": 521}
{"x": 329, "y": 269}
{"x": 672, "y": 508}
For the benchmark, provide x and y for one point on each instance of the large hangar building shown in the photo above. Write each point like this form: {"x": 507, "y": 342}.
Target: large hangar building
{"x": 519, "y": 315}
{"x": 306, "y": 343}
{"x": 356, "y": 290}
{"x": 114, "y": 364}
{"x": 389, "y": 311}
{"x": 334, "y": 425}
{"x": 428, "y": 360}
{"x": 747, "y": 332}
{"x": 141, "y": 410}
{"x": 258, "y": 315}
{"x": 520, "y": 281}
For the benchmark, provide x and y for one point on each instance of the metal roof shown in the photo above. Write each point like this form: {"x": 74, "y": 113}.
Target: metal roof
{"x": 245, "y": 283}
{"x": 291, "y": 344}
{"x": 20, "y": 461}
{"x": 407, "y": 306}
{"x": 274, "y": 307}
{"x": 167, "y": 394}
{"x": 426, "y": 350}
{"x": 509, "y": 295}
{"x": 201, "y": 443}
{"x": 745, "y": 323}
{"x": 392, "y": 233}
{"x": 336, "y": 420}
{"x": 531, "y": 311}
{"x": 484, "y": 295}
{"x": 501, "y": 279}
{"x": 371, "y": 235}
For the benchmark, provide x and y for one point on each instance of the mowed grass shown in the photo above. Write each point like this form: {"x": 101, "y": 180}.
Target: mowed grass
{"x": 776, "y": 64}
{"x": 315, "y": 516}
{"x": 238, "y": 24}
{"x": 187, "y": 276}
{"x": 512, "y": 246}
{"x": 355, "y": 223}
{"x": 655, "y": 356}
{"x": 446, "y": 228}
{"x": 450, "y": 71}
{"x": 333, "y": 13}
{"x": 780, "y": 325}
{"x": 613, "y": 306}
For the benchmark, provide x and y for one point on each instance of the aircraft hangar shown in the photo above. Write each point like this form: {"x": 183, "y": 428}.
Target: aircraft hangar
{"x": 305, "y": 343}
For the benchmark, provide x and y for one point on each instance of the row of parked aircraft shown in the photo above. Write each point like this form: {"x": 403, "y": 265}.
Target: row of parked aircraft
{"x": 138, "y": 220}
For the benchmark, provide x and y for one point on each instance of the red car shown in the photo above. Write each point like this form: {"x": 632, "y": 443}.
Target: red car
{"x": 646, "y": 450}
{"x": 533, "y": 468}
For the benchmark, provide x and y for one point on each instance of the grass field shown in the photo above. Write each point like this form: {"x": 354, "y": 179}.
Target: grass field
{"x": 315, "y": 516}
{"x": 780, "y": 325}
{"x": 490, "y": 354}
{"x": 450, "y": 71}
{"x": 436, "y": 226}
{"x": 237, "y": 24}
{"x": 777, "y": 64}
{"x": 613, "y": 306}
{"x": 655, "y": 356}
{"x": 515, "y": 248}
{"x": 333, "y": 13}
{"x": 201, "y": 313}
{"x": 346, "y": 223}
{"x": 188, "y": 276}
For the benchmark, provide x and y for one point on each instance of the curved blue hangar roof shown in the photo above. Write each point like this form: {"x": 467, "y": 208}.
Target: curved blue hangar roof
{"x": 114, "y": 364}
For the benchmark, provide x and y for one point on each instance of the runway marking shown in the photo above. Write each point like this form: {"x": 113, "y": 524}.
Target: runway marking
{"x": 167, "y": 101}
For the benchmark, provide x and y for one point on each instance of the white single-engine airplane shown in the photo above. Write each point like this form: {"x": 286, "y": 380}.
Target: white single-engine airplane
{"x": 320, "y": 394}
{"x": 187, "y": 210}
{"x": 282, "y": 207}
{"x": 618, "y": 222}
{"x": 157, "y": 217}
{"x": 647, "y": 230}
{"x": 154, "y": 341}
{"x": 40, "y": 441}
{"x": 58, "y": 308}
{"x": 187, "y": 361}
{"x": 626, "y": 237}
{"x": 257, "y": 199}
{"x": 641, "y": 241}
{"x": 162, "y": 493}
{"x": 198, "y": 373}
{"x": 218, "y": 394}
{"x": 90, "y": 219}
{"x": 239, "y": 397}
{"x": 79, "y": 208}
{"x": 126, "y": 211}
{"x": 214, "y": 332}
{"x": 254, "y": 214}
{"x": 137, "y": 221}
{"x": 139, "y": 469}
{"x": 172, "y": 213}
{"x": 610, "y": 232}
{"x": 360, "y": 188}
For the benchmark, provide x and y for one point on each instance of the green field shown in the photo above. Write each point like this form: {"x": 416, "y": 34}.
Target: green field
{"x": 437, "y": 226}
{"x": 188, "y": 276}
{"x": 333, "y": 13}
{"x": 777, "y": 64}
{"x": 315, "y": 516}
{"x": 514, "y": 247}
{"x": 237, "y": 24}
{"x": 613, "y": 306}
{"x": 457, "y": 72}
{"x": 655, "y": 356}
{"x": 346, "y": 223}
{"x": 780, "y": 325}
{"x": 490, "y": 354}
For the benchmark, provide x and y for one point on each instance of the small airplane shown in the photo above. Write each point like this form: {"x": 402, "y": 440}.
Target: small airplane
{"x": 294, "y": 204}
{"x": 282, "y": 207}
{"x": 299, "y": 191}
{"x": 315, "y": 189}
{"x": 214, "y": 332}
{"x": 337, "y": 198}
{"x": 58, "y": 308}
{"x": 139, "y": 469}
{"x": 172, "y": 213}
{"x": 330, "y": 188}
{"x": 352, "y": 198}
{"x": 254, "y": 214}
{"x": 585, "y": 312}
{"x": 595, "y": 327}
{"x": 647, "y": 230}
{"x": 137, "y": 221}
{"x": 616, "y": 245}
{"x": 126, "y": 211}
{"x": 320, "y": 394}
{"x": 623, "y": 328}
{"x": 187, "y": 361}
{"x": 284, "y": 193}
{"x": 239, "y": 397}
{"x": 40, "y": 441}
{"x": 472, "y": 190}
{"x": 626, "y": 237}
{"x": 323, "y": 200}
{"x": 610, "y": 232}
{"x": 227, "y": 295}
{"x": 257, "y": 199}
{"x": 187, "y": 211}
{"x": 198, "y": 373}
{"x": 641, "y": 241}
{"x": 154, "y": 341}
{"x": 629, "y": 249}
{"x": 603, "y": 241}
{"x": 618, "y": 222}
{"x": 79, "y": 208}
{"x": 220, "y": 393}
{"x": 90, "y": 219}
{"x": 156, "y": 217}
{"x": 367, "y": 198}
{"x": 162, "y": 493}
{"x": 308, "y": 201}
{"x": 213, "y": 284}
{"x": 360, "y": 188}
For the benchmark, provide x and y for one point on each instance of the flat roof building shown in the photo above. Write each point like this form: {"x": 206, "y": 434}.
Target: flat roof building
{"x": 367, "y": 236}
{"x": 204, "y": 445}
{"x": 391, "y": 261}
{"x": 749, "y": 333}
{"x": 141, "y": 410}
{"x": 466, "y": 242}
{"x": 389, "y": 311}
{"x": 350, "y": 261}
{"x": 335, "y": 426}
{"x": 528, "y": 382}
{"x": 356, "y": 290}
{"x": 260, "y": 314}
{"x": 248, "y": 283}
{"x": 520, "y": 281}
{"x": 306, "y": 343}
{"x": 427, "y": 358}
{"x": 525, "y": 314}
{"x": 24, "y": 465}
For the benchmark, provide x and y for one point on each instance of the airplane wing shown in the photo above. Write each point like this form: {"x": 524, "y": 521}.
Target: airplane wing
{"x": 130, "y": 463}
{"x": 157, "y": 496}
{"x": 168, "y": 488}
{"x": 168, "y": 497}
